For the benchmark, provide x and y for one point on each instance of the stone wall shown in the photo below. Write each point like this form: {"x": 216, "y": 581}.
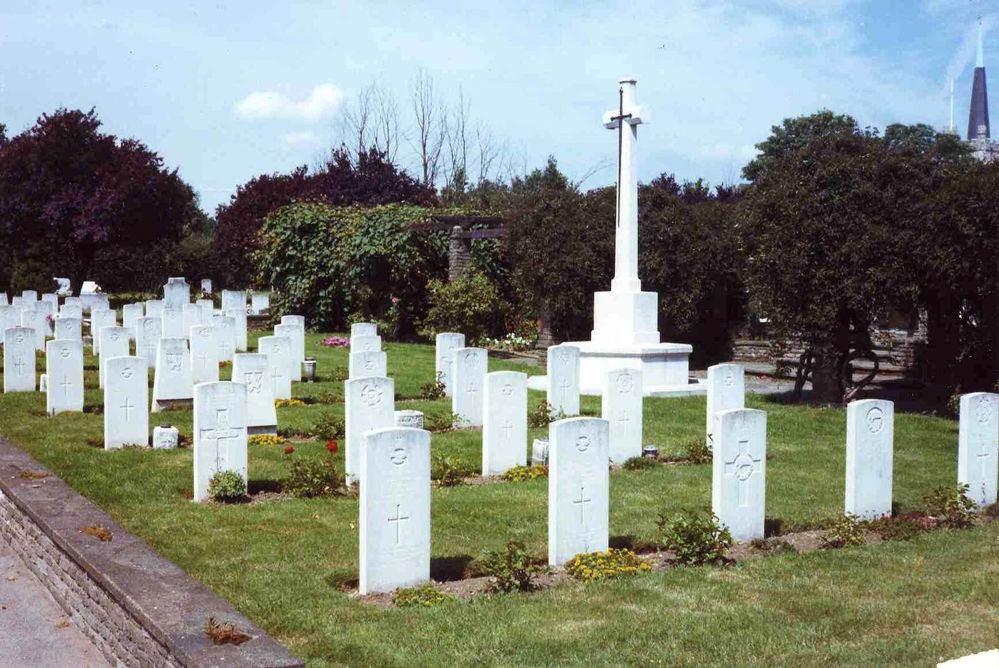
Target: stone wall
{"x": 459, "y": 255}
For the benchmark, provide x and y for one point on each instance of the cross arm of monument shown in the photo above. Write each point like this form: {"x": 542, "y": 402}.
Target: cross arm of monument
{"x": 635, "y": 115}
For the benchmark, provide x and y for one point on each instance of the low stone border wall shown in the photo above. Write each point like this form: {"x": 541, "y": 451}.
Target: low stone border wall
{"x": 138, "y": 608}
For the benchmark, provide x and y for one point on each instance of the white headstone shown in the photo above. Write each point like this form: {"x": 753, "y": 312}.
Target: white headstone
{"x": 193, "y": 317}
{"x": 394, "y": 521}
{"x": 35, "y": 321}
{"x": 504, "y": 422}
{"x": 369, "y": 403}
{"x": 19, "y": 359}
{"x": 51, "y": 298}
{"x": 173, "y": 321}
{"x": 3, "y": 299}
{"x": 738, "y": 473}
{"x": 409, "y": 418}
{"x": 172, "y": 380}
{"x": 126, "y": 398}
{"x": 563, "y": 379}
{"x": 447, "y": 343}
{"x": 978, "y": 446}
{"x": 89, "y": 288}
{"x": 154, "y": 308}
{"x": 870, "y": 432}
{"x": 114, "y": 343}
{"x": 238, "y": 316}
{"x": 130, "y": 314}
{"x": 29, "y": 295}
{"x": 225, "y": 336}
{"x": 65, "y": 286}
{"x": 177, "y": 292}
{"x": 468, "y": 371}
{"x": 73, "y": 301}
{"x": 206, "y": 286}
{"x": 367, "y": 365}
{"x": 207, "y": 310}
{"x": 233, "y": 299}
{"x": 365, "y": 344}
{"x": 69, "y": 328}
{"x": 252, "y": 369}
{"x": 726, "y": 391}
{"x": 578, "y": 488}
{"x": 259, "y": 302}
{"x": 99, "y": 319}
{"x": 621, "y": 406}
{"x": 204, "y": 355}
{"x": 294, "y": 334}
{"x": 64, "y": 368}
{"x": 278, "y": 351}
{"x": 298, "y": 347}
{"x": 149, "y": 331}
{"x": 10, "y": 316}
{"x": 219, "y": 433}
{"x": 48, "y": 311}
{"x": 363, "y": 329}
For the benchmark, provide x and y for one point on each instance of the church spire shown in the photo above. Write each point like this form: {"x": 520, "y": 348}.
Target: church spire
{"x": 978, "y": 115}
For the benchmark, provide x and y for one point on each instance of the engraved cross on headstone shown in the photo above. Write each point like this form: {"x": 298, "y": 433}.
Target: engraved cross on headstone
{"x": 398, "y": 519}
{"x": 221, "y": 433}
{"x": 66, "y": 384}
{"x": 581, "y": 502}
{"x": 983, "y": 455}
{"x": 742, "y": 467}
{"x": 126, "y": 407}
{"x": 19, "y": 365}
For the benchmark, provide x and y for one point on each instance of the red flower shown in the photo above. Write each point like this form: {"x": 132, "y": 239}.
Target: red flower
{"x": 332, "y": 447}
{"x": 289, "y": 450}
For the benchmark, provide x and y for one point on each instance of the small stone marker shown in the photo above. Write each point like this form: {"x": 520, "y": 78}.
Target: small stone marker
{"x": 409, "y": 418}
{"x": 126, "y": 396}
{"x": 252, "y": 369}
{"x": 563, "y": 379}
{"x": 165, "y": 437}
{"x": 99, "y": 319}
{"x": 870, "y": 431}
{"x": 726, "y": 391}
{"x": 114, "y": 343}
{"x": 43, "y": 383}
{"x": 504, "y": 422}
{"x": 363, "y": 329}
{"x": 70, "y": 329}
{"x": 978, "y": 446}
{"x": 19, "y": 359}
{"x": 446, "y": 344}
{"x": 296, "y": 335}
{"x": 148, "y": 332}
{"x": 369, "y": 403}
{"x": 204, "y": 355}
{"x": 738, "y": 472}
{"x": 278, "y": 351}
{"x": 578, "y": 488}
{"x": 35, "y": 321}
{"x": 394, "y": 517}
{"x": 172, "y": 381}
{"x": 64, "y": 367}
{"x": 469, "y": 371}
{"x": 219, "y": 433}
{"x": 239, "y": 321}
{"x": 225, "y": 336}
{"x": 621, "y": 406}
{"x": 368, "y": 364}
{"x": 130, "y": 314}
{"x": 539, "y": 452}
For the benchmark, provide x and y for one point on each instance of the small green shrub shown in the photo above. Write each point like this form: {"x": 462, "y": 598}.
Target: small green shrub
{"x": 843, "y": 532}
{"x": 640, "y": 463}
{"x": 695, "y": 537}
{"x": 339, "y": 374}
{"x": 440, "y": 422}
{"x": 513, "y": 569}
{"x": 421, "y": 597}
{"x": 522, "y": 473}
{"x": 449, "y": 472}
{"x": 605, "y": 565}
{"x": 902, "y": 527}
{"x": 543, "y": 415}
{"x": 471, "y": 304}
{"x": 696, "y": 451}
{"x": 310, "y": 478}
{"x": 227, "y": 487}
{"x": 328, "y": 426}
{"x": 773, "y": 546}
{"x": 435, "y": 390}
{"x": 950, "y": 506}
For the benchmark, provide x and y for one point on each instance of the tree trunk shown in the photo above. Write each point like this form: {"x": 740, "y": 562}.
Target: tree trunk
{"x": 825, "y": 378}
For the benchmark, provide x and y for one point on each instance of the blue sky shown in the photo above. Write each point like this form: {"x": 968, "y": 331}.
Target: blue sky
{"x": 228, "y": 90}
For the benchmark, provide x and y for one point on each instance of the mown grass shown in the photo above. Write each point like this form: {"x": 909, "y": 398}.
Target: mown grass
{"x": 278, "y": 562}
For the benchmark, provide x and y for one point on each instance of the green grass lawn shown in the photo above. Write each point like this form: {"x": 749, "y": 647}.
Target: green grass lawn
{"x": 905, "y": 603}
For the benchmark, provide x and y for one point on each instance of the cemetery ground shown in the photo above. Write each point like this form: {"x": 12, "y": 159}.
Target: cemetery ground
{"x": 282, "y": 561}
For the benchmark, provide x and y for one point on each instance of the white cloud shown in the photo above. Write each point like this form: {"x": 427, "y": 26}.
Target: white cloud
{"x": 301, "y": 139}
{"x": 320, "y": 103}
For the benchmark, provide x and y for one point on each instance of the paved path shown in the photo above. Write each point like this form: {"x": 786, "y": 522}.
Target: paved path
{"x": 34, "y": 631}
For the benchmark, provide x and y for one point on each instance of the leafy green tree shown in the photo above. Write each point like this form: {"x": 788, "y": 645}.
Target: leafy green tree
{"x": 794, "y": 134}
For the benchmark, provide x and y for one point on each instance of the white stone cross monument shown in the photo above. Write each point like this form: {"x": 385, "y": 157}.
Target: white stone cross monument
{"x": 19, "y": 359}
{"x": 621, "y": 406}
{"x": 625, "y": 319}
{"x": 368, "y": 403}
{"x": 278, "y": 351}
{"x": 870, "y": 433}
{"x": 64, "y": 368}
{"x": 114, "y": 343}
{"x": 578, "y": 488}
{"x": 978, "y": 446}
{"x": 739, "y": 472}
{"x": 504, "y": 422}
{"x": 204, "y": 355}
{"x": 446, "y": 344}
{"x": 252, "y": 369}
{"x": 126, "y": 396}
{"x": 726, "y": 391}
{"x": 394, "y": 513}
{"x": 219, "y": 433}
{"x": 469, "y": 370}
{"x": 563, "y": 380}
